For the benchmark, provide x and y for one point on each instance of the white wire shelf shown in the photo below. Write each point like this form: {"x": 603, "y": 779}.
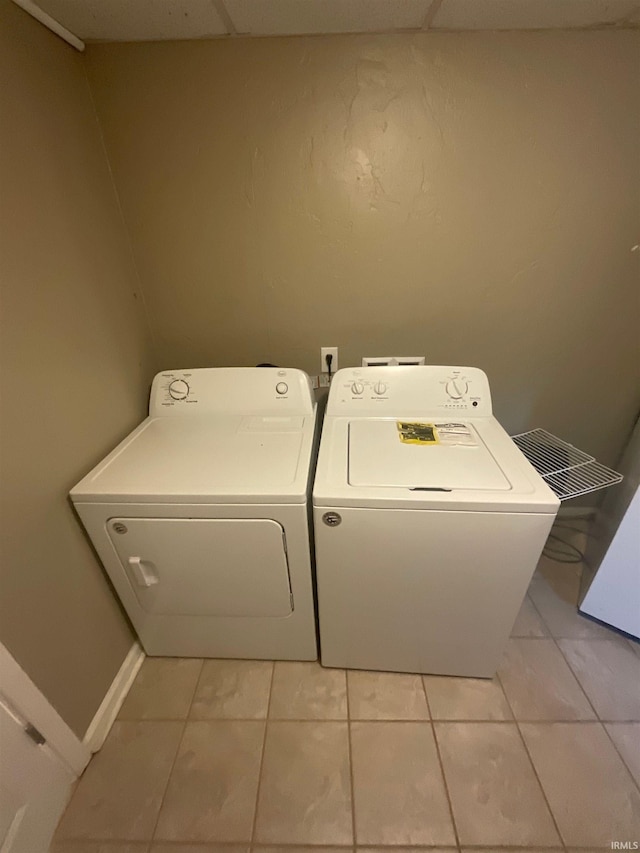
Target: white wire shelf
{"x": 567, "y": 471}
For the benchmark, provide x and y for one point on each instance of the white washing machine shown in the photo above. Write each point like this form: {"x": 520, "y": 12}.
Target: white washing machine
{"x": 429, "y": 522}
{"x": 201, "y": 515}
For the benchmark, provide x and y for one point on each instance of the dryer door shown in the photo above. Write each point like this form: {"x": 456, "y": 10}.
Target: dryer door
{"x": 205, "y": 566}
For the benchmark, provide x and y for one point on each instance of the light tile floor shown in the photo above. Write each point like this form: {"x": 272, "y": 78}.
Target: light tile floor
{"x": 233, "y": 756}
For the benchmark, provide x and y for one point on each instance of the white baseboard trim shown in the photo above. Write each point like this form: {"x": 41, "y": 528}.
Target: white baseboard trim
{"x": 106, "y": 714}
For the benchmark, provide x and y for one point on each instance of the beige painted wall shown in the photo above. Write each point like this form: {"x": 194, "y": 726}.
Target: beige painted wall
{"x": 470, "y": 197}
{"x": 474, "y": 198}
{"x": 75, "y": 366}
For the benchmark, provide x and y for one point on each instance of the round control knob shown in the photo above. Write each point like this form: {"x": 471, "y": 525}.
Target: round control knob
{"x": 457, "y": 388}
{"x": 178, "y": 389}
{"x": 282, "y": 388}
{"x": 379, "y": 388}
{"x": 357, "y": 387}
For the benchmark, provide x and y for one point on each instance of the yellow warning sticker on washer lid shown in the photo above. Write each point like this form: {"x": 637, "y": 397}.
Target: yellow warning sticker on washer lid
{"x": 428, "y": 435}
{"x": 417, "y": 433}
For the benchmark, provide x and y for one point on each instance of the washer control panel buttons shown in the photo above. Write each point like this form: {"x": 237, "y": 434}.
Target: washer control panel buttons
{"x": 363, "y": 390}
{"x": 424, "y": 390}
{"x": 282, "y": 388}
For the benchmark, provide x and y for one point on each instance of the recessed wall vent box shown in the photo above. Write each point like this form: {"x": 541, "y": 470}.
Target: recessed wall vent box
{"x": 393, "y": 360}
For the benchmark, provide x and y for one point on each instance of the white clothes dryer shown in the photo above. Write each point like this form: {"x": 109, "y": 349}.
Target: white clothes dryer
{"x": 201, "y": 515}
{"x": 429, "y": 523}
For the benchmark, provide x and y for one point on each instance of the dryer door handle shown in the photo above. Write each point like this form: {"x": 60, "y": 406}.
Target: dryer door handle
{"x": 143, "y": 571}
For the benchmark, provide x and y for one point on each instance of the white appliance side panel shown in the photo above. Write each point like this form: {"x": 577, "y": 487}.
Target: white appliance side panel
{"x": 614, "y": 594}
{"x": 212, "y": 567}
{"x": 423, "y": 591}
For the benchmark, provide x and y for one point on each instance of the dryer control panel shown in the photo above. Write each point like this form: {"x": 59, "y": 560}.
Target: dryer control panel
{"x": 418, "y": 389}
{"x": 232, "y": 390}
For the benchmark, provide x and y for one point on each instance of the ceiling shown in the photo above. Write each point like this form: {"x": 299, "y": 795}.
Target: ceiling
{"x": 150, "y": 20}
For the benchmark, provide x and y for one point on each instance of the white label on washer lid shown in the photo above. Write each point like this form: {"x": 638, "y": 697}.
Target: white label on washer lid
{"x": 456, "y": 434}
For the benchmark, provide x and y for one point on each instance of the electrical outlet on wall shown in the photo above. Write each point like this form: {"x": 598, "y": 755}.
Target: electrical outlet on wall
{"x": 324, "y": 352}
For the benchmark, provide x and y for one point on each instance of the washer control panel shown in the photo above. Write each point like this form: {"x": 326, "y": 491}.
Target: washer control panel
{"x": 241, "y": 390}
{"x": 390, "y": 390}
{"x": 461, "y": 390}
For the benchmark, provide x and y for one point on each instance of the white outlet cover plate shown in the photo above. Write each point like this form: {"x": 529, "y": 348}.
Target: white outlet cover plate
{"x": 324, "y": 351}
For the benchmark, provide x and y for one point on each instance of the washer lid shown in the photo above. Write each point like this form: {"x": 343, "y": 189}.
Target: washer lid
{"x": 381, "y": 453}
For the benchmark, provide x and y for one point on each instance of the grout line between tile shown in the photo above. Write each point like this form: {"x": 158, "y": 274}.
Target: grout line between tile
{"x": 390, "y": 847}
{"x": 344, "y": 720}
{"x": 441, "y": 765}
{"x": 293, "y": 846}
{"x": 195, "y": 692}
{"x": 536, "y": 608}
{"x": 553, "y": 636}
{"x": 530, "y": 639}
{"x": 559, "y": 647}
{"x": 264, "y": 745}
{"x": 533, "y": 767}
{"x": 577, "y": 680}
{"x": 175, "y": 757}
{"x": 351, "y": 779}
{"x": 430, "y": 15}
{"x": 497, "y": 848}
{"x": 633, "y": 778}
{"x": 595, "y": 719}
{"x": 587, "y": 639}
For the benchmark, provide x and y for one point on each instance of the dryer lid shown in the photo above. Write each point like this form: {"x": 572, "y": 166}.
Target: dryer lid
{"x": 199, "y": 458}
{"x": 381, "y": 453}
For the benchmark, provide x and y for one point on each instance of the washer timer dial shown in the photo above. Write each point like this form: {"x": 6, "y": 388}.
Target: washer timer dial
{"x": 457, "y": 388}
{"x": 179, "y": 389}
